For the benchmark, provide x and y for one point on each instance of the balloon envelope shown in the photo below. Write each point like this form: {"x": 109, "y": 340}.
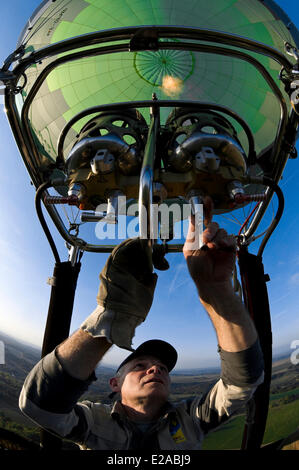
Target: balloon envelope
{"x": 171, "y": 74}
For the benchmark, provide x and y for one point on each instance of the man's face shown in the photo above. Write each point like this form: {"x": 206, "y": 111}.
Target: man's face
{"x": 143, "y": 378}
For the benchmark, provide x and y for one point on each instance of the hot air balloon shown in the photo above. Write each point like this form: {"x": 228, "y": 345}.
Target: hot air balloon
{"x": 157, "y": 102}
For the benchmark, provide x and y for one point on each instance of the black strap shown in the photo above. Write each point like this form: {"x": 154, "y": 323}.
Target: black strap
{"x": 64, "y": 283}
{"x": 257, "y": 302}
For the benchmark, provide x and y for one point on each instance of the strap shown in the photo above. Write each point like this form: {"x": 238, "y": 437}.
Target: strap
{"x": 257, "y": 302}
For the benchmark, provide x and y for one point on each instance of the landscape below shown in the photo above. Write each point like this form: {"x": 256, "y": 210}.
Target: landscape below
{"x": 283, "y": 417}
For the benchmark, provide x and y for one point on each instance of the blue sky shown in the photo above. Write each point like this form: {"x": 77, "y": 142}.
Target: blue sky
{"x": 176, "y": 314}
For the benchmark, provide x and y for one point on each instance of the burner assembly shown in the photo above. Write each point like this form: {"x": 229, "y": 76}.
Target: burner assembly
{"x": 195, "y": 151}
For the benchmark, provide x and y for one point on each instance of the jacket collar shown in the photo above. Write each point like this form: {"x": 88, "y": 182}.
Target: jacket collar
{"x": 118, "y": 411}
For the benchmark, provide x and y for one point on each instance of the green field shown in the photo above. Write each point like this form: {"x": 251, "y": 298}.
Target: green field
{"x": 282, "y": 421}
{"x": 277, "y": 396}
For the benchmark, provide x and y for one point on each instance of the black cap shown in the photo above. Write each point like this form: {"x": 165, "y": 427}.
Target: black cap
{"x": 156, "y": 348}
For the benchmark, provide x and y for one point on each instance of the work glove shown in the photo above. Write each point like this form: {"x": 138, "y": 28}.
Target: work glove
{"x": 125, "y": 294}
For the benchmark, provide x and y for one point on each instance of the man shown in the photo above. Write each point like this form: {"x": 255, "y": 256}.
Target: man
{"x": 143, "y": 418}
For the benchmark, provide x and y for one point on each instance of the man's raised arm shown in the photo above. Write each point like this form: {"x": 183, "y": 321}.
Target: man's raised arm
{"x": 51, "y": 390}
{"x": 242, "y": 364}
{"x": 211, "y": 269}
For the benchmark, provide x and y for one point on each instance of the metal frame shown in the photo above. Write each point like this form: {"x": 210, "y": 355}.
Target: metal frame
{"x": 76, "y": 246}
{"x": 138, "y": 38}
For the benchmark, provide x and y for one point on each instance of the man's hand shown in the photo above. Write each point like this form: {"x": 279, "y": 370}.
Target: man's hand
{"x": 211, "y": 268}
{"x": 127, "y": 280}
{"x": 125, "y": 294}
{"x": 214, "y": 262}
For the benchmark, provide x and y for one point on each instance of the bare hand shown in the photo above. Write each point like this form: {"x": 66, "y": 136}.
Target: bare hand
{"x": 214, "y": 262}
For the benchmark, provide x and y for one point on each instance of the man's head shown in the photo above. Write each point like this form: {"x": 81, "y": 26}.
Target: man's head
{"x": 144, "y": 374}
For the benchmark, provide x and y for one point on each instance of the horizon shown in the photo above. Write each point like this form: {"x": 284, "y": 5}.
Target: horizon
{"x": 282, "y": 353}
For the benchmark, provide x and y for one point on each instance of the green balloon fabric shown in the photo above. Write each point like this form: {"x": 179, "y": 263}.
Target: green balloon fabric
{"x": 171, "y": 74}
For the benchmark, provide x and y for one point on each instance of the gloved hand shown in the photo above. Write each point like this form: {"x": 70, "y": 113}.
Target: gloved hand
{"x": 125, "y": 294}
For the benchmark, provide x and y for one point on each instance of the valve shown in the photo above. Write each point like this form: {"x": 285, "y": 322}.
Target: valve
{"x": 207, "y": 160}
{"x": 103, "y": 162}
{"x": 237, "y": 193}
{"x": 235, "y": 188}
{"x": 76, "y": 190}
{"x": 195, "y": 198}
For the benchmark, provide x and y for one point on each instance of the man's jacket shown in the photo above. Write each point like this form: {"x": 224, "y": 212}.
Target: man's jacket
{"x": 50, "y": 398}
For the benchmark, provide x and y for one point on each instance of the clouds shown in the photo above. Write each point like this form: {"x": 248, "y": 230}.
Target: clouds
{"x": 286, "y": 272}
{"x": 280, "y": 314}
{"x": 294, "y": 279}
{"x": 8, "y": 252}
{"x": 180, "y": 278}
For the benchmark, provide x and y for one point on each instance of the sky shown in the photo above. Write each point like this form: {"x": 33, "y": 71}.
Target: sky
{"x": 176, "y": 314}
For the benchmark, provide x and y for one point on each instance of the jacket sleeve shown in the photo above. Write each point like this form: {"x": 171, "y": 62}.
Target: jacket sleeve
{"x": 241, "y": 373}
{"x": 49, "y": 398}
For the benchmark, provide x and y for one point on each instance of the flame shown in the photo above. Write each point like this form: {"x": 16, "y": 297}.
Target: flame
{"x": 171, "y": 86}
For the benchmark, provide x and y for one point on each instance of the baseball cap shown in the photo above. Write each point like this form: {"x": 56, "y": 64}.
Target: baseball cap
{"x": 156, "y": 348}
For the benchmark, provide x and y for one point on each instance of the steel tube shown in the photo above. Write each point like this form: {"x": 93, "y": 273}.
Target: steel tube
{"x": 121, "y": 34}
{"x": 146, "y": 180}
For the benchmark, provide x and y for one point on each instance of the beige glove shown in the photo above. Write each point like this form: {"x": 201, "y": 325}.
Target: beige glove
{"x": 125, "y": 294}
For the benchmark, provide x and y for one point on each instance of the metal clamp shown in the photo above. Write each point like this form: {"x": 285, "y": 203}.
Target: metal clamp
{"x": 295, "y": 95}
{"x": 292, "y": 51}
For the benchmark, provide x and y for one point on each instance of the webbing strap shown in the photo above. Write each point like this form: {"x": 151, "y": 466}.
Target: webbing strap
{"x": 57, "y": 329}
{"x": 257, "y": 302}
